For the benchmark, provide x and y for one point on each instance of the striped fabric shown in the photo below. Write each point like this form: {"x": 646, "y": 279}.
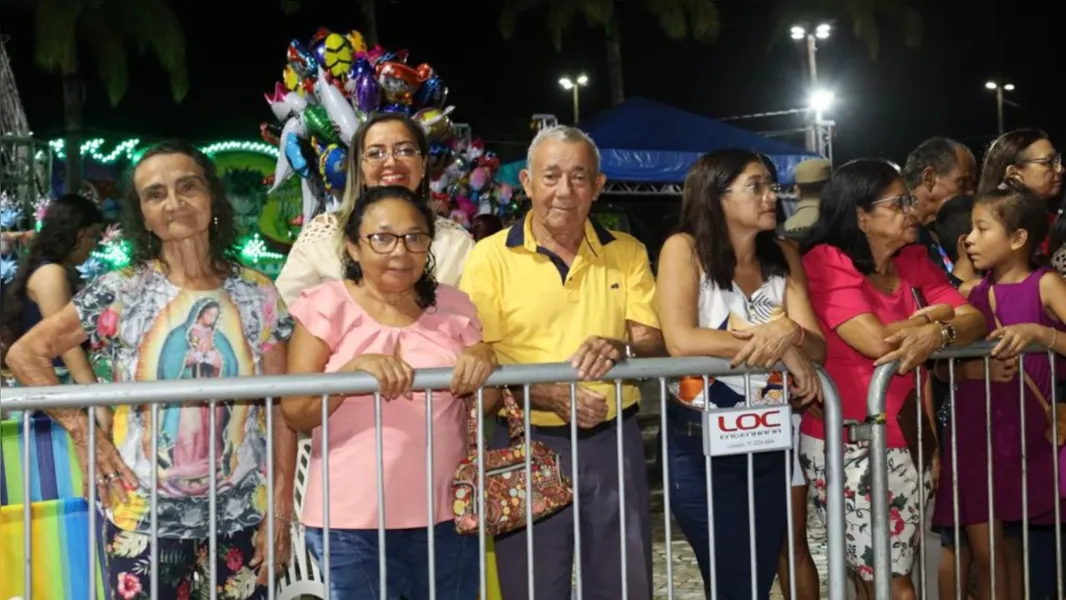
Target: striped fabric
{"x": 54, "y": 472}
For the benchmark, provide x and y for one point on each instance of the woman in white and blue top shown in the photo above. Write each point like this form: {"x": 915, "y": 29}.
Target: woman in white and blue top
{"x": 729, "y": 288}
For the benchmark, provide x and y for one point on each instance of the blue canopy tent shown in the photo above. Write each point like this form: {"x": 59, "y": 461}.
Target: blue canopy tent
{"x": 646, "y": 144}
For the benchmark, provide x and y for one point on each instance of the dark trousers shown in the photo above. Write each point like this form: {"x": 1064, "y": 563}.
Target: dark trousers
{"x": 729, "y": 483}
{"x": 597, "y": 488}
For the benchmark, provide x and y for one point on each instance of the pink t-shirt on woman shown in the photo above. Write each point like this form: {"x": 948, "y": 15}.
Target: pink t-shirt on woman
{"x": 839, "y": 293}
{"x": 436, "y": 340}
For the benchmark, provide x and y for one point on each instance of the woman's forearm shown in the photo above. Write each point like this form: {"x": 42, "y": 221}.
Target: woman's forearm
{"x": 32, "y": 368}
{"x": 78, "y": 364}
{"x": 969, "y": 328}
{"x": 304, "y": 413}
{"x": 699, "y": 341}
{"x": 285, "y": 450}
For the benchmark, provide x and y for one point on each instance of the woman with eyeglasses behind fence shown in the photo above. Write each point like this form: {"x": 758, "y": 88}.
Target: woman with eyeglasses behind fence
{"x": 183, "y": 309}
{"x": 729, "y": 288}
{"x": 387, "y": 318}
{"x": 868, "y": 281}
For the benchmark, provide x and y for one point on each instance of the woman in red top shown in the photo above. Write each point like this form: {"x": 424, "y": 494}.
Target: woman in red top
{"x": 861, "y": 268}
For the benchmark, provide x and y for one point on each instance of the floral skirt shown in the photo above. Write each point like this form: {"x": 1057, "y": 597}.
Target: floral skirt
{"x": 904, "y": 498}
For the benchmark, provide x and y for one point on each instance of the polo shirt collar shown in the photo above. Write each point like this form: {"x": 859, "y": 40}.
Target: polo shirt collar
{"x": 521, "y": 235}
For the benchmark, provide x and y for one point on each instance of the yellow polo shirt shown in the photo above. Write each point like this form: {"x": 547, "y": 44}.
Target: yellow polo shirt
{"x": 535, "y": 309}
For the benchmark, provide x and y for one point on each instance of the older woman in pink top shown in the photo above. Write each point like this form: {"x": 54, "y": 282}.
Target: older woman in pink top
{"x": 387, "y": 318}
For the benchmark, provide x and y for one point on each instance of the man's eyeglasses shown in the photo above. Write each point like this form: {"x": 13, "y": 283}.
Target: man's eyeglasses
{"x": 758, "y": 188}
{"x": 904, "y": 204}
{"x": 377, "y": 154}
{"x": 384, "y": 243}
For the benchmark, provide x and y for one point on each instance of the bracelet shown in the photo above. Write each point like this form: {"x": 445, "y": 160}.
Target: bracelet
{"x": 928, "y": 321}
{"x": 1054, "y": 338}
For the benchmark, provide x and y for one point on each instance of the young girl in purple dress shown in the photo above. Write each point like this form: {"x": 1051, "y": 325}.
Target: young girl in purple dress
{"x": 1023, "y": 303}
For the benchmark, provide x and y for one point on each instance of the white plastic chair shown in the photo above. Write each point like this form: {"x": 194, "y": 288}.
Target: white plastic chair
{"x": 301, "y": 577}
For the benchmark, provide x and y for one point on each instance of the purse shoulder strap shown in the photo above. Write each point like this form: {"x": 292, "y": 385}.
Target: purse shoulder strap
{"x": 513, "y": 412}
{"x": 1028, "y": 380}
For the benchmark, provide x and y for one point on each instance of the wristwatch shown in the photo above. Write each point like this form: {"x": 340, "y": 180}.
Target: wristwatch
{"x": 629, "y": 351}
{"x": 947, "y": 334}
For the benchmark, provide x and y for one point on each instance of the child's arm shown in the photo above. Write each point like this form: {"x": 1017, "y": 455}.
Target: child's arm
{"x": 1053, "y": 295}
{"x": 1013, "y": 339}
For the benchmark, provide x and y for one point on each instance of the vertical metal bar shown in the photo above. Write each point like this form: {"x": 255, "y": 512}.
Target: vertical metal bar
{"x": 623, "y": 538}
{"x": 91, "y": 463}
{"x": 1055, "y": 472}
{"x": 1025, "y": 476}
{"x": 751, "y": 503}
{"x": 919, "y": 406}
{"x": 153, "y": 493}
{"x": 988, "y": 461}
{"x": 790, "y": 522}
{"x": 527, "y": 448}
{"x": 212, "y": 497}
{"x": 27, "y": 509}
{"x": 712, "y": 572}
{"x": 481, "y": 541}
{"x": 575, "y": 467}
{"x": 271, "y": 579}
{"x": 379, "y": 443}
{"x": 665, "y": 425}
{"x": 954, "y": 481}
{"x": 875, "y": 410}
{"x": 431, "y": 508}
{"x": 325, "y": 568}
{"x": 834, "y": 492}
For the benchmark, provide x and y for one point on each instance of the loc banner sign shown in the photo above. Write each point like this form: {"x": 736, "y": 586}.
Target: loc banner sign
{"x": 747, "y": 429}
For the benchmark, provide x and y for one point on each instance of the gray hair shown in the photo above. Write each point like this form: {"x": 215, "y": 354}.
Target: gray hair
{"x": 562, "y": 133}
{"x": 940, "y": 153}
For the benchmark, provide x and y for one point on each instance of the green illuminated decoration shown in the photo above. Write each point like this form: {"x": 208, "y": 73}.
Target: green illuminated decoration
{"x": 254, "y": 249}
{"x": 131, "y": 149}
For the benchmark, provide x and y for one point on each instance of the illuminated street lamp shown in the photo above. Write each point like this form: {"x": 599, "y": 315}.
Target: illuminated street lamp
{"x": 821, "y": 32}
{"x": 575, "y": 85}
{"x": 999, "y": 89}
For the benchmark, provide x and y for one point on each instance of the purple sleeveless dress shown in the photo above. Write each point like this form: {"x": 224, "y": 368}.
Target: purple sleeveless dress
{"x": 1016, "y": 303}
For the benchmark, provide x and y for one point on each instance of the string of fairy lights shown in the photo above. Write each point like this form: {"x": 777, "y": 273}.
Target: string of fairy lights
{"x": 131, "y": 149}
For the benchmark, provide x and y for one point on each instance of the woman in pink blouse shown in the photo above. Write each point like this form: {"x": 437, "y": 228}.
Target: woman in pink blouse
{"x": 863, "y": 277}
{"x": 387, "y": 318}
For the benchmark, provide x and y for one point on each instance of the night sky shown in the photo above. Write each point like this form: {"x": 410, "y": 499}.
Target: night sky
{"x": 885, "y": 107}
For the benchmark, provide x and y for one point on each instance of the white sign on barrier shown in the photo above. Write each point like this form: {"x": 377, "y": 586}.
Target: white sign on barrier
{"x": 747, "y": 429}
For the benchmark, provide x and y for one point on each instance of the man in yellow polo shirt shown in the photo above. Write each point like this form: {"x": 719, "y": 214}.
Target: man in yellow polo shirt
{"x": 557, "y": 287}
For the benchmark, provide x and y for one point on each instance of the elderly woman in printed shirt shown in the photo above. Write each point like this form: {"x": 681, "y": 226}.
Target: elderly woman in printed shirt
{"x": 184, "y": 308}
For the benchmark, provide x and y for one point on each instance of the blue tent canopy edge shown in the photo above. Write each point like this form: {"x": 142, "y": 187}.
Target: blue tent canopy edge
{"x": 649, "y": 142}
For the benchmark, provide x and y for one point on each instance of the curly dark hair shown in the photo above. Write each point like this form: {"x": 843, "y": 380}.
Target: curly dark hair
{"x": 426, "y": 286}
{"x": 146, "y": 246}
{"x": 66, "y": 218}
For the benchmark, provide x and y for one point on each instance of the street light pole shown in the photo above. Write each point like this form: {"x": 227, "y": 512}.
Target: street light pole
{"x": 812, "y": 37}
{"x": 574, "y": 85}
{"x": 999, "y": 89}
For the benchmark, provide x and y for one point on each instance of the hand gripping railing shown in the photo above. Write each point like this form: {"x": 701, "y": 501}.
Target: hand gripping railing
{"x": 873, "y": 430}
{"x": 272, "y": 387}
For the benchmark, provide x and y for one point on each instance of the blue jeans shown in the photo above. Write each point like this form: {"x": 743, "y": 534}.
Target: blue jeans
{"x": 729, "y": 482}
{"x": 353, "y": 565}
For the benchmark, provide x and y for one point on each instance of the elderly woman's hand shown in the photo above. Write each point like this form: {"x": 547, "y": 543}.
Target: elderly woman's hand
{"x": 282, "y": 547}
{"x": 767, "y": 343}
{"x": 914, "y": 346}
{"x": 394, "y": 376}
{"x": 806, "y": 385}
{"x": 472, "y": 369}
{"x": 113, "y": 477}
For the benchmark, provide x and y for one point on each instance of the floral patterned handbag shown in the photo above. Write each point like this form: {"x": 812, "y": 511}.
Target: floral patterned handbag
{"x": 506, "y": 489}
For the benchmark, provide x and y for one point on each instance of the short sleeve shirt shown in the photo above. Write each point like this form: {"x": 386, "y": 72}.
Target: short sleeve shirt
{"x": 141, "y": 327}
{"x": 839, "y": 293}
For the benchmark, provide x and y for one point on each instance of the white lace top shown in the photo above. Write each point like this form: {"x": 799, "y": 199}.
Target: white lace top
{"x": 315, "y": 259}
{"x": 1058, "y": 260}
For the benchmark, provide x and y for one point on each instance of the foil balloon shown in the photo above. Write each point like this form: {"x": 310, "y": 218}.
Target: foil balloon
{"x": 357, "y": 42}
{"x": 397, "y": 108}
{"x": 337, "y": 107}
{"x": 317, "y": 121}
{"x": 270, "y": 133}
{"x": 360, "y": 67}
{"x": 317, "y": 43}
{"x": 290, "y": 78}
{"x": 336, "y": 55}
{"x": 332, "y": 166}
{"x": 432, "y": 93}
{"x": 301, "y": 60}
{"x": 284, "y": 104}
{"x": 399, "y": 82}
{"x": 283, "y": 169}
{"x": 435, "y": 122}
{"x": 295, "y": 155}
{"x": 367, "y": 95}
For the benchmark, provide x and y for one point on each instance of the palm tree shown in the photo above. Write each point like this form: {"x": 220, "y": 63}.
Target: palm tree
{"x": 866, "y": 17}
{"x": 678, "y": 19}
{"x": 106, "y": 28}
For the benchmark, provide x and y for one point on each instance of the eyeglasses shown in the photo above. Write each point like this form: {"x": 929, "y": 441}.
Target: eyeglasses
{"x": 904, "y": 204}
{"x": 384, "y": 243}
{"x": 378, "y": 154}
{"x": 758, "y": 188}
{"x": 1052, "y": 161}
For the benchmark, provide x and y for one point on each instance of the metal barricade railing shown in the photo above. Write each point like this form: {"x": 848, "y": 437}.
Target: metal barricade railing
{"x": 873, "y": 431}
{"x": 270, "y": 388}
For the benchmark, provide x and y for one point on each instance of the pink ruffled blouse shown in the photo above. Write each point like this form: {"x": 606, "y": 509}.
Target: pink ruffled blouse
{"x": 436, "y": 340}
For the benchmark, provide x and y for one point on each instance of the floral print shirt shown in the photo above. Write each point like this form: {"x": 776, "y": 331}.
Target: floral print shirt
{"x": 141, "y": 327}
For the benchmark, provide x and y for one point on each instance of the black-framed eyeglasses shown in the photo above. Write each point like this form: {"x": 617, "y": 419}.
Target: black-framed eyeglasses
{"x": 384, "y": 243}
{"x": 758, "y": 188}
{"x": 378, "y": 154}
{"x": 904, "y": 203}
{"x": 1051, "y": 161}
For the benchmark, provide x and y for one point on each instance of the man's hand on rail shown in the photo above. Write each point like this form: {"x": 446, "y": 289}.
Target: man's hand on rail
{"x": 113, "y": 477}
{"x": 914, "y": 346}
{"x": 806, "y": 386}
{"x": 1013, "y": 339}
{"x": 591, "y": 406}
{"x": 597, "y": 356}
{"x": 767, "y": 343}
{"x": 472, "y": 369}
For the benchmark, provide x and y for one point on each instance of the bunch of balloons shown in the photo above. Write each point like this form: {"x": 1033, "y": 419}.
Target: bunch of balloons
{"x": 463, "y": 182}
{"x": 328, "y": 88}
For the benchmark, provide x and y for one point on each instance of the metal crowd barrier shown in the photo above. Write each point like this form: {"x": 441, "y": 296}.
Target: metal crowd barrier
{"x": 257, "y": 388}
{"x": 873, "y": 430}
